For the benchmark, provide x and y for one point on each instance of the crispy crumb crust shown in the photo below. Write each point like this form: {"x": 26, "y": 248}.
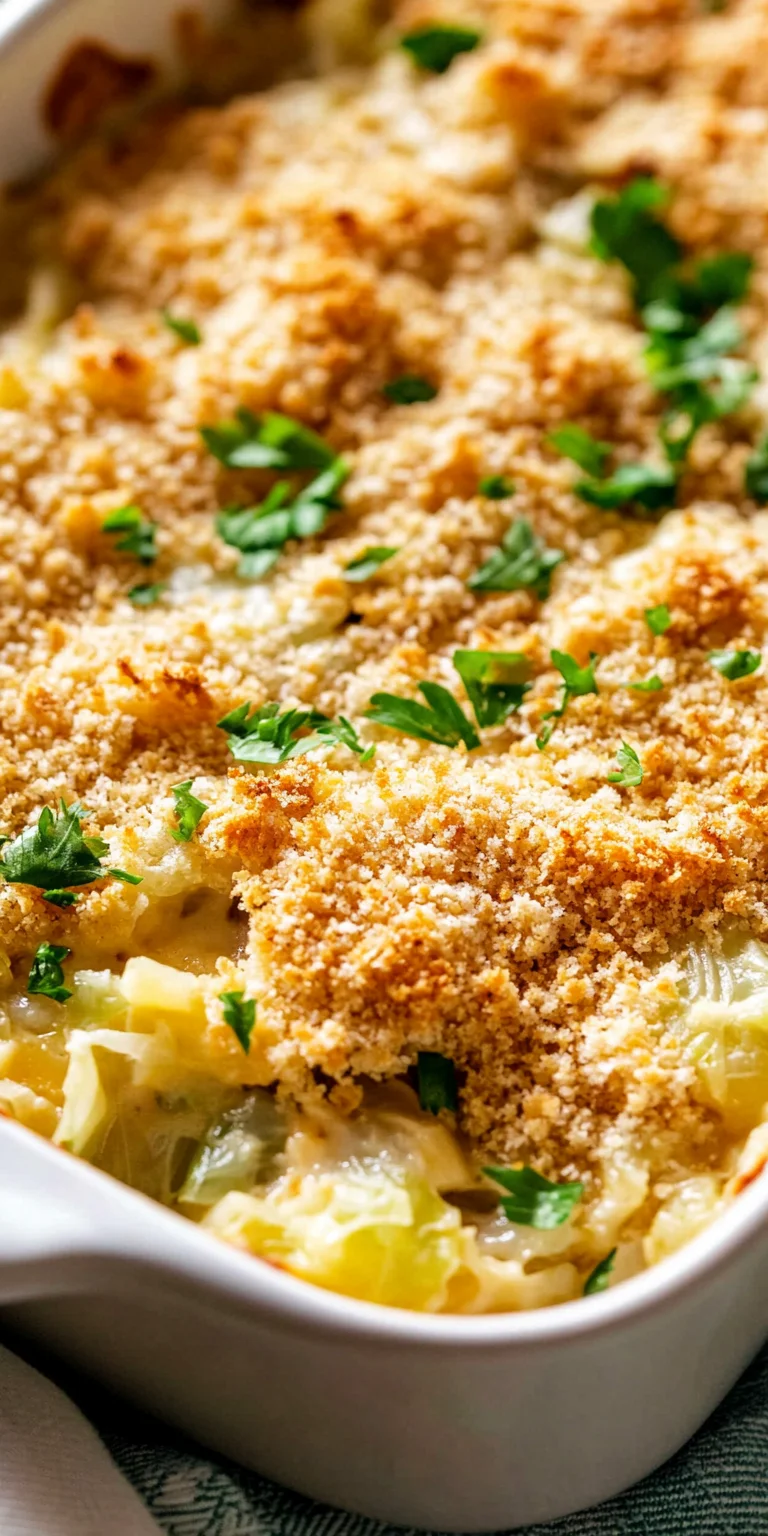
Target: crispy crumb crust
{"x": 508, "y": 908}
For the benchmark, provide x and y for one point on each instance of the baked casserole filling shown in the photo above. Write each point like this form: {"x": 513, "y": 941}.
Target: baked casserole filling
{"x": 384, "y": 592}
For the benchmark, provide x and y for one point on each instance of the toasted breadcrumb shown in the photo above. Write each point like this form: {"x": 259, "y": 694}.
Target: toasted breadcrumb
{"x": 508, "y": 908}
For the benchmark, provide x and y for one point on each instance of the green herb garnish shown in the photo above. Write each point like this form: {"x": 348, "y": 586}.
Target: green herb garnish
{"x": 240, "y": 1014}
{"x": 188, "y": 810}
{"x": 55, "y": 855}
{"x": 532, "y": 1200}
{"x": 625, "y": 228}
{"x": 146, "y": 593}
{"x": 658, "y": 619}
{"x": 736, "y": 664}
{"x": 367, "y": 564}
{"x": 580, "y": 446}
{"x": 651, "y": 684}
{"x": 267, "y": 736}
{"x": 441, "y": 720}
{"x": 261, "y": 532}
{"x": 186, "y": 330}
{"x": 598, "y": 1280}
{"x": 522, "y": 561}
{"x": 650, "y": 486}
{"x": 438, "y": 1088}
{"x": 495, "y": 682}
{"x": 138, "y": 534}
{"x": 630, "y": 769}
{"x": 266, "y": 442}
{"x": 577, "y": 682}
{"x": 436, "y": 45}
{"x": 46, "y": 976}
{"x": 410, "y": 389}
{"x": 496, "y": 487}
{"x": 756, "y": 472}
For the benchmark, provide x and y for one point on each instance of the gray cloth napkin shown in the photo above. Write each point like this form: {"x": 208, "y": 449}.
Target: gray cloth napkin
{"x": 716, "y": 1486}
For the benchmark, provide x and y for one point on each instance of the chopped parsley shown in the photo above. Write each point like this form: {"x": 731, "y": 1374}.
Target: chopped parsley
{"x": 577, "y": 682}
{"x": 188, "y": 810}
{"x": 532, "y": 1200}
{"x": 267, "y": 736}
{"x": 523, "y": 561}
{"x": 137, "y": 533}
{"x": 435, "y": 45}
{"x": 496, "y": 487}
{"x": 55, "y": 855}
{"x": 46, "y": 976}
{"x": 625, "y": 228}
{"x": 440, "y": 720}
{"x": 146, "y": 593}
{"x": 630, "y": 770}
{"x": 658, "y": 619}
{"x": 272, "y": 441}
{"x": 239, "y": 1013}
{"x": 736, "y": 664}
{"x": 410, "y": 389}
{"x": 598, "y": 1280}
{"x": 495, "y": 682}
{"x": 651, "y": 684}
{"x": 367, "y": 564}
{"x": 756, "y": 472}
{"x": 573, "y": 442}
{"x": 186, "y": 330}
{"x": 650, "y": 486}
{"x": 261, "y": 532}
{"x": 437, "y": 1082}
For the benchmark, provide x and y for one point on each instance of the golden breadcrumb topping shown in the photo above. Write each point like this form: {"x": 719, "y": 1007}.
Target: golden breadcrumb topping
{"x": 507, "y": 907}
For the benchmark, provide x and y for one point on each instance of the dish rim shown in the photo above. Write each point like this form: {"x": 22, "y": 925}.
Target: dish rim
{"x": 176, "y": 1248}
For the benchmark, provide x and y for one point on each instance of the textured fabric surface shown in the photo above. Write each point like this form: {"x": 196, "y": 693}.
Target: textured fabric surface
{"x": 717, "y": 1486}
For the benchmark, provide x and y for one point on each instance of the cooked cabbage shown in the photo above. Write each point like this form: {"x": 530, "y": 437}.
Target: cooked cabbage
{"x": 239, "y": 1151}
{"x": 374, "y": 1233}
{"x": 725, "y": 1025}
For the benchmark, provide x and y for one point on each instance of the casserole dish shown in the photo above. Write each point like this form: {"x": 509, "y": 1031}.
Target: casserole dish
{"x": 458, "y": 1424}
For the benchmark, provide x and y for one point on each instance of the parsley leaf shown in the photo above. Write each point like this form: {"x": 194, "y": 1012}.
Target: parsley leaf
{"x": 756, "y": 472}
{"x": 188, "y": 810}
{"x": 650, "y": 486}
{"x": 146, "y": 593}
{"x": 266, "y": 442}
{"x": 658, "y": 619}
{"x": 496, "y": 487}
{"x": 239, "y": 1013}
{"x": 435, "y": 45}
{"x": 186, "y": 330}
{"x": 123, "y": 875}
{"x": 580, "y": 446}
{"x": 522, "y": 561}
{"x": 736, "y": 664}
{"x": 626, "y": 229}
{"x": 437, "y": 1082}
{"x": 534, "y": 1201}
{"x": 647, "y": 684}
{"x": 138, "y": 534}
{"x": 46, "y": 976}
{"x": 598, "y": 1280}
{"x": 577, "y": 681}
{"x": 260, "y": 532}
{"x": 495, "y": 682}
{"x": 55, "y": 855}
{"x": 441, "y": 720}
{"x": 630, "y": 770}
{"x": 367, "y": 564}
{"x": 410, "y": 389}
{"x": 266, "y": 736}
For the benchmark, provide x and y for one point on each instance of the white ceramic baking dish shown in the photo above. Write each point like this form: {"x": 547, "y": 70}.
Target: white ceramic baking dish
{"x": 464, "y": 1424}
